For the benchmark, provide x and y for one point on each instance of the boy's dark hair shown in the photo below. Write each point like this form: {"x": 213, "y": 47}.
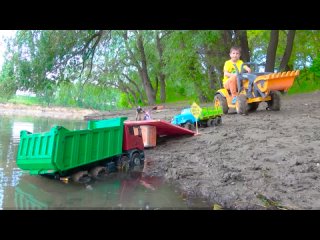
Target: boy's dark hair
{"x": 235, "y": 48}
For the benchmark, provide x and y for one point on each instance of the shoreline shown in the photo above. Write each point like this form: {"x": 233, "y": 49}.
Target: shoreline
{"x": 10, "y": 109}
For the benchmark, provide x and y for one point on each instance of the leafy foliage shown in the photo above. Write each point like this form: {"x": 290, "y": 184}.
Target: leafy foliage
{"x": 107, "y": 69}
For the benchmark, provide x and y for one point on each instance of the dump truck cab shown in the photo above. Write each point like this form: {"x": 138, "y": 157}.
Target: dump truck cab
{"x": 130, "y": 140}
{"x": 133, "y": 145}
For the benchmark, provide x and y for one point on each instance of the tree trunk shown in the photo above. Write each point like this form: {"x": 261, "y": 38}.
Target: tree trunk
{"x": 227, "y": 41}
{"x": 143, "y": 71}
{"x": 211, "y": 76}
{"x": 161, "y": 74}
{"x": 287, "y": 51}
{"x": 243, "y": 40}
{"x": 163, "y": 95}
{"x": 272, "y": 50}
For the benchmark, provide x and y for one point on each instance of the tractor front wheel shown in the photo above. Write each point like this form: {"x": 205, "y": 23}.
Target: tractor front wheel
{"x": 220, "y": 100}
{"x": 242, "y": 105}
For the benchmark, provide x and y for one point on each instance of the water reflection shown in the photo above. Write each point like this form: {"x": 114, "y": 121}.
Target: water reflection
{"x": 10, "y": 128}
{"x": 119, "y": 191}
{"x": 17, "y": 127}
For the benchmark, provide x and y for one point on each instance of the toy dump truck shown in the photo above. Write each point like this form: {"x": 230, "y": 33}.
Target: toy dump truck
{"x": 254, "y": 88}
{"x": 107, "y": 145}
{"x": 209, "y": 117}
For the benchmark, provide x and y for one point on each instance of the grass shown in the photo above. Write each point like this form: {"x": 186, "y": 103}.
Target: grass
{"x": 306, "y": 83}
{"x": 25, "y": 100}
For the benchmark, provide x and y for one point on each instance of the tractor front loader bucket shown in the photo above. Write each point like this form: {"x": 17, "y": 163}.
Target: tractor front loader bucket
{"x": 276, "y": 81}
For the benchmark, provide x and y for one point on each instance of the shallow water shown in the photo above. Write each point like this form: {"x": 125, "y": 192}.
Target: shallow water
{"x": 19, "y": 190}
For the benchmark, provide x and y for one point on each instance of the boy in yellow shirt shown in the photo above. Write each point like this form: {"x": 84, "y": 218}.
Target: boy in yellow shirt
{"x": 230, "y": 74}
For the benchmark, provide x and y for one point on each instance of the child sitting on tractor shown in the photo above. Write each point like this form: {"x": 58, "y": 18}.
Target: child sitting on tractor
{"x": 230, "y": 74}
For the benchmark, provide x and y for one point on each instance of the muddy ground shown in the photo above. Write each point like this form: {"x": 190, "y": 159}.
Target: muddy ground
{"x": 265, "y": 160}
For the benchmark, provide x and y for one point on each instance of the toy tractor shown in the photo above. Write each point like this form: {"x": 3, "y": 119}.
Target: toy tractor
{"x": 254, "y": 88}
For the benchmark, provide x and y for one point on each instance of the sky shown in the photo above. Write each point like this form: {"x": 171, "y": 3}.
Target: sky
{"x": 4, "y": 34}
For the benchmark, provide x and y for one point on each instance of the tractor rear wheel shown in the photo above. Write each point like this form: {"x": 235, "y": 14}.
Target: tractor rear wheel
{"x": 242, "y": 105}
{"x": 275, "y": 103}
{"x": 220, "y": 100}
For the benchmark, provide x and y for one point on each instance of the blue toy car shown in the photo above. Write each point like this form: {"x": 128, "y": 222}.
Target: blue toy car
{"x": 208, "y": 117}
{"x": 185, "y": 119}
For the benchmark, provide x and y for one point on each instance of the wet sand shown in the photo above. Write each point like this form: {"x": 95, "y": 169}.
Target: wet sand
{"x": 265, "y": 160}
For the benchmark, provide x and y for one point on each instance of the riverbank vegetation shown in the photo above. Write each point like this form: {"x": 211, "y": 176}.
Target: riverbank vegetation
{"x": 113, "y": 69}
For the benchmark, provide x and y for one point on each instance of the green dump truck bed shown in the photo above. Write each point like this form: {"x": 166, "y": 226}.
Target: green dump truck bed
{"x": 60, "y": 149}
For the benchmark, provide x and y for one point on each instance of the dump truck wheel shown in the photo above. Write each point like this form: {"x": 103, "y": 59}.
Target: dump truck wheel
{"x": 211, "y": 123}
{"x": 81, "y": 177}
{"x": 220, "y": 100}
{"x": 218, "y": 120}
{"x": 203, "y": 123}
{"x": 253, "y": 106}
{"x": 136, "y": 160}
{"x": 99, "y": 172}
{"x": 242, "y": 105}
{"x": 123, "y": 164}
{"x": 274, "y": 104}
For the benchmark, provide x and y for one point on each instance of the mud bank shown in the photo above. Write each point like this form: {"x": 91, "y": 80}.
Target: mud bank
{"x": 265, "y": 160}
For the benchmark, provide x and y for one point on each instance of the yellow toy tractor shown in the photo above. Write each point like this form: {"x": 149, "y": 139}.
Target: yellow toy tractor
{"x": 254, "y": 88}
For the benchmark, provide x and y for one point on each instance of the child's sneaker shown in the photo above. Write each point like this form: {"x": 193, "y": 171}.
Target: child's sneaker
{"x": 234, "y": 99}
